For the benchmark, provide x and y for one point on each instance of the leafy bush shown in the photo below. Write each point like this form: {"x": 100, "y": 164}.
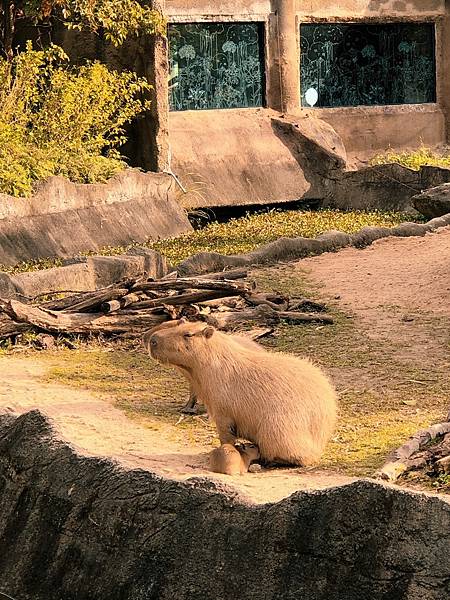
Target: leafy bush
{"x": 413, "y": 160}
{"x": 58, "y": 120}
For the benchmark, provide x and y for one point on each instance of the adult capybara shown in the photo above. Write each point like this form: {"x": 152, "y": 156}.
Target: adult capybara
{"x": 189, "y": 407}
{"x": 232, "y": 460}
{"x": 283, "y": 404}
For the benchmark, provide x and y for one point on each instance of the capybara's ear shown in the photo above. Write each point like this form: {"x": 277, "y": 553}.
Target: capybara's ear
{"x": 208, "y": 331}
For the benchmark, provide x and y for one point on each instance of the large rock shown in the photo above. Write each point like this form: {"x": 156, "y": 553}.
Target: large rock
{"x": 434, "y": 202}
{"x": 78, "y": 528}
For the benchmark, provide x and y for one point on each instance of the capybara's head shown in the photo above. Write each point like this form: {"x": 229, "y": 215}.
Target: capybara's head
{"x": 181, "y": 344}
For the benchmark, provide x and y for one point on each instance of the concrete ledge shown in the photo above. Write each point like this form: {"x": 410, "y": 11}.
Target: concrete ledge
{"x": 64, "y": 218}
{"x": 84, "y": 528}
{"x": 84, "y": 274}
{"x": 296, "y": 248}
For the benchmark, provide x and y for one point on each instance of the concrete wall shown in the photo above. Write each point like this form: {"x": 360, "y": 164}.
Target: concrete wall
{"x": 202, "y": 142}
{"x": 64, "y": 218}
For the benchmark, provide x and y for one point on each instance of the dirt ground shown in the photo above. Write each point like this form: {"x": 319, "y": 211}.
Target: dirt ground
{"x": 389, "y": 354}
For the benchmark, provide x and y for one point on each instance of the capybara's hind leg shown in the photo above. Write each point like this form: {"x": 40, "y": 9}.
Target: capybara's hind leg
{"x": 191, "y": 407}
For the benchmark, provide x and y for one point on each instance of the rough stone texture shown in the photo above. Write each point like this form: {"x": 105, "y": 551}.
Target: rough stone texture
{"x": 64, "y": 218}
{"x": 295, "y": 248}
{"x": 78, "y": 528}
{"x": 84, "y": 274}
{"x": 433, "y": 202}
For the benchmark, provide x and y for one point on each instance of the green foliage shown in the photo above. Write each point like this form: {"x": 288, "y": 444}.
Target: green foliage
{"x": 118, "y": 18}
{"x": 413, "y": 160}
{"x": 249, "y": 232}
{"x": 57, "y": 120}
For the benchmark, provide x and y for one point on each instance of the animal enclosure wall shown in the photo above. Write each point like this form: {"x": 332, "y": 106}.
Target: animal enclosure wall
{"x": 374, "y": 70}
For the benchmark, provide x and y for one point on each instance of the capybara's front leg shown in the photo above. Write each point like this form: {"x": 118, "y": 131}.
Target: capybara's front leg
{"x": 226, "y": 428}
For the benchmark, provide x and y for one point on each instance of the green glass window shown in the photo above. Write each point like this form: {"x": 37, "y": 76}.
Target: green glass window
{"x": 215, "y": 65}
{"x": 356, "y": 64}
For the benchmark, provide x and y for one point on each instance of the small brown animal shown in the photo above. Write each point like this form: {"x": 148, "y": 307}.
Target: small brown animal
{"x": 282, "y": 403}
{"x": 189, "y": 407}
{"x": 232, "y": 460}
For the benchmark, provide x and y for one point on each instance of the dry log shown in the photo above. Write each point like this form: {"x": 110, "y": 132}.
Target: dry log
{"x": 65, "y": 322}
{"x": 229, "y": 301}
{"x": 264, "y": 315}
{"x": 110, "y": 306}
{"x": 99, "y": 298}
{"x": 402, "y": 460}
{"x": 258, "y": 299}
{"x": 10, "y": 328}
{"x": 230, "y": 275}
{"x": 183, "y": 284}
{"x": 188, "y": 298}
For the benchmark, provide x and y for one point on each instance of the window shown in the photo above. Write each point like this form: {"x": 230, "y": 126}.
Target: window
{"x": 351, "y": 65}
{"x": 215, "y": 65}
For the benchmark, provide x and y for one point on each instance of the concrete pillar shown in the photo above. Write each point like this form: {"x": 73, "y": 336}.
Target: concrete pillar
{"x": 288, "y": 56}
{"x": 443, "y": 67}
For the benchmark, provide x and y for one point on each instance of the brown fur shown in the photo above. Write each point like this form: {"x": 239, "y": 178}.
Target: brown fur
{"x": 232, "y": 460}
{"x": 283, "y": 404}
{"x": 241, "y": 339}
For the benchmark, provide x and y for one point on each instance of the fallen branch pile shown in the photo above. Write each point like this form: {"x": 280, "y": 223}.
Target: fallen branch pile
{"x": 132, "y": 306}
{"x": 428, "y": 450}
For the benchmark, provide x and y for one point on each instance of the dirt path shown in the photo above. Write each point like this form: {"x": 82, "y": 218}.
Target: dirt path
{"x": 399, "y": 288}
{"x": 93, "y": 426}
{"x": 398, "y": 291}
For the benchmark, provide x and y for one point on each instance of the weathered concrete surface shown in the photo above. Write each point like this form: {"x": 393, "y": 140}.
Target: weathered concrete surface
{"x": 84, "y": 274}
{"x": 295, "y": 248}
{"x": 78, "y": 528}
{"x": 433, "y": 202}
{"x": 235, "y": 157}
{"x": 64, "y": 218}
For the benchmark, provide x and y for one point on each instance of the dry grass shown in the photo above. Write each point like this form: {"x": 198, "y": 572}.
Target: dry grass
{"x": 414, "y": 159}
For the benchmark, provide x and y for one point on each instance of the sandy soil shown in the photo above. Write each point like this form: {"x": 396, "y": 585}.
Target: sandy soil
{"x": 386, "y": 285}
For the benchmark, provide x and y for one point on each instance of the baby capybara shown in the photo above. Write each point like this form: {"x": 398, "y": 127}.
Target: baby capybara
{"x": 283, "y": 404}
{"x": 232, "y": 460}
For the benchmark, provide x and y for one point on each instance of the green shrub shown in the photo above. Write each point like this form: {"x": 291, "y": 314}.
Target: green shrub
{"x": 413, "y": 159}
{"x": 60, "y": 120}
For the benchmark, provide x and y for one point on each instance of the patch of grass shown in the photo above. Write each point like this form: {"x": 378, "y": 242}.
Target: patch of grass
{"x": 245, "y": 234}
{"x": 253, "y": 230}
{"x": 414, "y": 159}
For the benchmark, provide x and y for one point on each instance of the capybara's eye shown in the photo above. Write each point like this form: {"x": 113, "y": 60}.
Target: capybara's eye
{"x": 187, "y": 335}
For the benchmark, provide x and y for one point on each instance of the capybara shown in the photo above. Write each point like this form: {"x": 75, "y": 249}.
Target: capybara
{"x": 189, "y": 407}
{"x": 233, "y": 460}
{"x": 282, "y": 403}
